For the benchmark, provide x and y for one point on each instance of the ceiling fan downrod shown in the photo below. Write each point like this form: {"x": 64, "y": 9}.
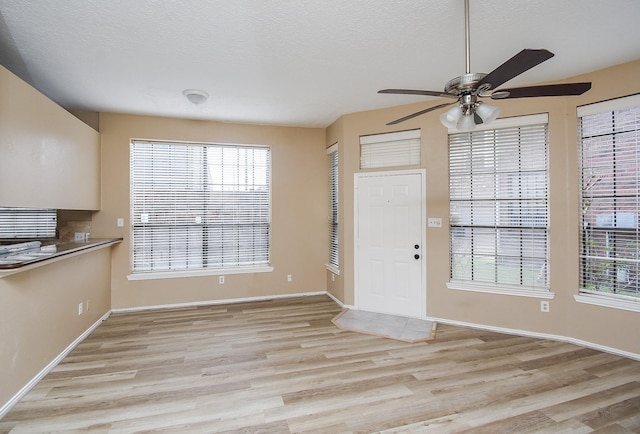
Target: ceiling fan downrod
{"x": 466, "y": 84}
{"x": 467, "y": 36}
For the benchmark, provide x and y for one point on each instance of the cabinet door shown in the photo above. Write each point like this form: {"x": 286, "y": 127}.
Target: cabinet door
{"x": 50, "y": 158}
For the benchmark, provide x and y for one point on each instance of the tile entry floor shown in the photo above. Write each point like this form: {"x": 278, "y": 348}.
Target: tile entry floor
{"x": 390, "y": 326}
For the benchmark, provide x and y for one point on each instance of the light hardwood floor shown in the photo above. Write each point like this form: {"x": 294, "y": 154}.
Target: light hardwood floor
{"x": 282, "y": 366}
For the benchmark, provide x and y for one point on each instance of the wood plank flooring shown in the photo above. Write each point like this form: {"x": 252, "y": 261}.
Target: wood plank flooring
{"x": 281, "y": 366}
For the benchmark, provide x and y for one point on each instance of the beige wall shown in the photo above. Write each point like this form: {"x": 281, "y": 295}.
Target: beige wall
{"x": 298, "y": 209}
{"x": 598, "y": 325}
{"x": 39, "y": 313}
{"x": 38, "y": 308}
{"x": 50, "y": 159}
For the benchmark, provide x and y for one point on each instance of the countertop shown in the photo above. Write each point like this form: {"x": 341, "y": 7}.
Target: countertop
{"x": 50, "y": 251}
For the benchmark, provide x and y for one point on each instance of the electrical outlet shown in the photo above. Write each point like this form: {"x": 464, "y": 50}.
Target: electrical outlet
{"x": 79, "y": 237}
{"x": 80, "y": 309}
{"x": 544, "y": 306}
{"x": 120, "y": 222}
{"x": 221, "y": 280}
{"x": 289, "y": 278}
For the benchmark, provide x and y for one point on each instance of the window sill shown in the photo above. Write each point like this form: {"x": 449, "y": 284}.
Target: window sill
{"x": 333, "y": 269}
{"x": 199, "y": 272}
{"x": 608, "y": 301}
{"x": 490, "y": 288}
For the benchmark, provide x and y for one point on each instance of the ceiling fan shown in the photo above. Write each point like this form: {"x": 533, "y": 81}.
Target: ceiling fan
{"x": 468, "y": 88}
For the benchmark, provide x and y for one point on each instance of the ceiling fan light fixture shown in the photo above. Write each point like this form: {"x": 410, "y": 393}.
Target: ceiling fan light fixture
{"x": 462, "y": 117}
{"x": 466, "y": 122}
{"x": 196, "y": 96}
{"x": 451, "y": 117}
{"x": 487, "y": 112}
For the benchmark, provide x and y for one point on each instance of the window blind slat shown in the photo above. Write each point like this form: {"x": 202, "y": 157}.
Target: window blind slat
{"x": 610, "y": 197}
{"x": 27, "y": 223}
{"x": 199, "y": 205}
{"x": 498, "y": 183}
{"x": 333, "y": 206}
{"x": 390, "y": 149}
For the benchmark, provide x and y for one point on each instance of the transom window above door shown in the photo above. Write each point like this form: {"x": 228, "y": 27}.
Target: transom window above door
{"x": 397, "y": 149}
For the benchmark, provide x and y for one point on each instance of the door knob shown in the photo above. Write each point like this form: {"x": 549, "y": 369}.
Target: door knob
{"x": 416, "y": 256}
{"x": 416, "y": 247}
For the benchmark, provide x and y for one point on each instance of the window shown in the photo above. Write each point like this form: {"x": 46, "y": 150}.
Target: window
{"x": 610, "y": 192}
{"x": 199, "y": 206}
{"x": 390, "y": 149}
{"x": 27, "y": 223}
{"x": 333, "y": 206}
{"x": 498, "y": 205}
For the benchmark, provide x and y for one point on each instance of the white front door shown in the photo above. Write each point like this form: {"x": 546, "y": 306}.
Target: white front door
{"x": 390, "y": 237}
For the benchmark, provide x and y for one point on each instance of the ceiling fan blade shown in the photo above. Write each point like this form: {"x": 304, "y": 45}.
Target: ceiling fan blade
{"x": 567, "y": 89}
{"x": 419, "y": 92}
{"x": 521, "y": 62}
{"x": 421, "y": 112}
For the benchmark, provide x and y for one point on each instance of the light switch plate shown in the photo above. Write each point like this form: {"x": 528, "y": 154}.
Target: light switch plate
{"x": 434, "y": 222}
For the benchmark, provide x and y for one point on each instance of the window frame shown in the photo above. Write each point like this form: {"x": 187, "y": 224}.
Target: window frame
{"x": 204, "y": 221}
{"x": 333, "y": 263}
{"x": 13, "y": 220}
{"x": 542, "y": 292}
{"x": 603, "y": 109}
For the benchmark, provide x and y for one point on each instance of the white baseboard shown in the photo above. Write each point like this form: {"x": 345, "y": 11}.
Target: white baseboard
{"x": 530, "y": 334}
{"x": 338, "y": 302}
{"x": 216, "y": 302}
{"x": 27, "y": 387}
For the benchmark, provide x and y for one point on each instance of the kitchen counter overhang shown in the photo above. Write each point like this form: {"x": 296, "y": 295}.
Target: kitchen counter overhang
{"x": 29, "y": 259}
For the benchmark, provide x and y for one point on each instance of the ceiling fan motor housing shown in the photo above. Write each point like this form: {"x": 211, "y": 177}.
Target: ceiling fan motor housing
{"x": 465, "y": 84}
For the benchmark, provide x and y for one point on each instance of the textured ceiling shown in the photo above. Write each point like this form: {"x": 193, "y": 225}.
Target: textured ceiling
{"x": 293, "y": 62}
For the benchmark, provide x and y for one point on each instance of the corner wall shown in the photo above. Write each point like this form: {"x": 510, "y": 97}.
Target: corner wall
{"x": 606, "y": 327}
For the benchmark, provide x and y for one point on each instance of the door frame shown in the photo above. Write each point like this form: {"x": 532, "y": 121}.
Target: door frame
{"x": 423, "y": 237}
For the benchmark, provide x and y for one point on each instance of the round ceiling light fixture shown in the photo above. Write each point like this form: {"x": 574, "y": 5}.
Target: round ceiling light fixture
{"x": 196, "y": 96}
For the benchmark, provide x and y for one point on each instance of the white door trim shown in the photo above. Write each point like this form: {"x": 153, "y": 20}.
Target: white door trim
{"x": 423, "y": 225}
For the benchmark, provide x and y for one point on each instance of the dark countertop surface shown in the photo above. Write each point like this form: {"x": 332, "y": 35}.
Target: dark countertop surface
{"x": 49, "y": 250}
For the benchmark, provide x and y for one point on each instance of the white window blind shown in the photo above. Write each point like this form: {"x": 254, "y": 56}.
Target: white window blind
{"x": 333, "y": 205}
{"x": 610, "y": 192}
{"x": 197, "y": 206}
{"x": 390, "y": 149}
{"x": 499, "y": 206}
{"x": 27, "y": 223}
